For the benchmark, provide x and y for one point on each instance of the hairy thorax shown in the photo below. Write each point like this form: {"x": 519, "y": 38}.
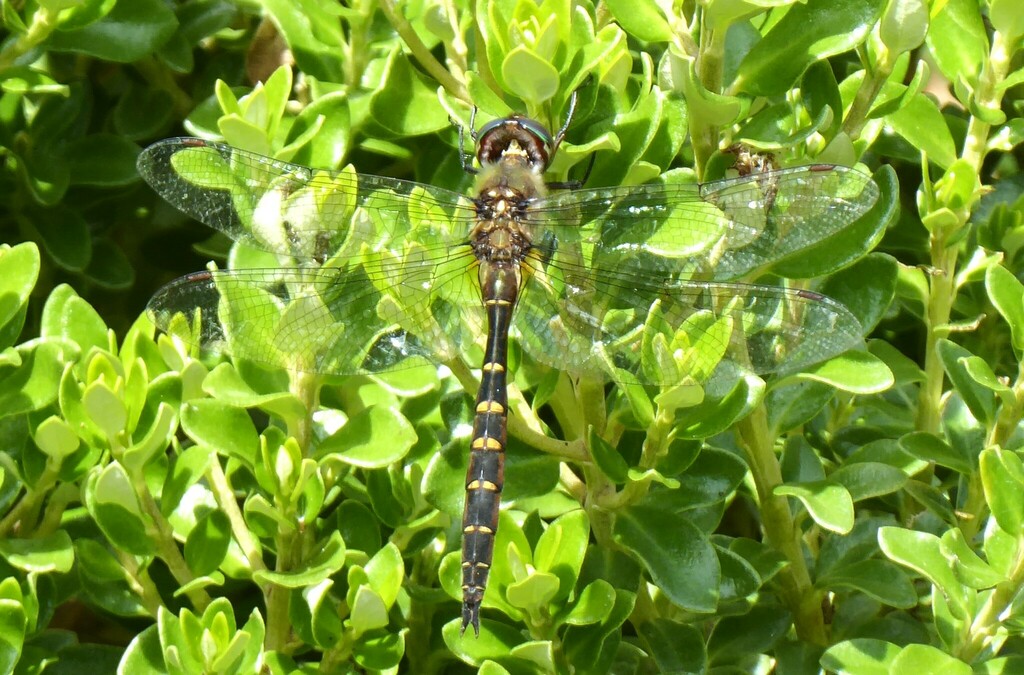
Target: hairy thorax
{"x": 502, "y": 233}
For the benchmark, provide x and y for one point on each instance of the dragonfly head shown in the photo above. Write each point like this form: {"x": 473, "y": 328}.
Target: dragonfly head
{"x": 515, "y": 138}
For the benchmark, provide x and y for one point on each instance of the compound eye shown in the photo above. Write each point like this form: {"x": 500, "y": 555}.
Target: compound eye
{"x": 539, "y": 131}
{"x": 491, "y": 126}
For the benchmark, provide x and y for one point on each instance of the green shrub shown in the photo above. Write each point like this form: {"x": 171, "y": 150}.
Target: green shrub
{"x": 167, "y": 511}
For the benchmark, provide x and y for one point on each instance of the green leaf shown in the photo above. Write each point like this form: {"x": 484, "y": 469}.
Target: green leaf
{"x": 530, "y": 76}
{"x": 114, "y": 506}
{"x": 1002, "y": 478}
{"x": 958, "y": 41}
{"x": 533, "y": 593}
{"x": 379, "y": 653}
{"x": 968, "y": 566}
{"x": 13, "y": 624}
{"x": 903, "y": 26}
{"x": 607, "y": 458}
{"x": 32, "y": 384}
{"x": 104, "y": 160}
{"x": 829, "y": 503}
{"x": 222, "y": 427}
{"x": 373, "y": 439}
{"x": 931, "y": 448}
{"x": 328, "y": 561}
{"x": 109, "y": 267}
{"x": 807, "y": 33}
{"x": 867, "y": 288}
{"x": 19, "y": 269}
{"x": 56, "y": 438}
{"x": 207, "y": 543}
{"x": 756, "y": 632}
{"x": 855, "y": 372}
{"x": 921, "y": 123}
{"x": 848, "y": 244}
{"x": 129, "y": 32}
{"x": 406, "y": 103}
{"x": 65, "y": 237}
{"x": 385, "y": 572}
{"x": 919, "y": 658}
{"x": 314, "y": 36}
{"x": 43, "y": 555}
{"x": 922, "y": 552}
{"x": 864, "y": 656}
{"x": 979, "y": 399}
{"x": 1007, "y": 18}
{"x": 1007, "y": 294}
{"x": 226, "y": 384}
{"x": 107, "y": 410}
{"x": 675, "y": 647}
{"x": 677, "y": 555}
{"x": 878, "y": 579}
{"x": 594, "y": 603}
{"x": 866, "y": 480}
{"x": 642, "y": 19}
{"x": 561, "y": 549}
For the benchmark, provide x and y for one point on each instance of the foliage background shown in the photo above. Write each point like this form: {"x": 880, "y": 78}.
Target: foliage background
{"x": 160, "y": 516}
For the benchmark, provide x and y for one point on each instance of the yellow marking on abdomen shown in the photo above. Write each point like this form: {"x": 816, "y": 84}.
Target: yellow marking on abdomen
{"x": 497, "y": 301}
{"x": 496, "y": 367}
{"x": 483, "y": 529}
{"x": 485, "y": 443}
{"x": 482, "y": 485}
{"x": 490, "y": 407}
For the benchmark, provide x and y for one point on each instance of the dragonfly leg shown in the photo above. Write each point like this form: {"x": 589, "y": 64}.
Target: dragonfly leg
{"x": 464, "y": 159}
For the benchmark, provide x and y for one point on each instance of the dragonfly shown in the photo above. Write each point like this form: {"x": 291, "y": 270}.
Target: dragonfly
{"x": 644, "y": 285}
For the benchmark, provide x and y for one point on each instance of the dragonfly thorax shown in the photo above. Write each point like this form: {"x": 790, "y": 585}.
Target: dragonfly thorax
{"x": 500, "y": 241}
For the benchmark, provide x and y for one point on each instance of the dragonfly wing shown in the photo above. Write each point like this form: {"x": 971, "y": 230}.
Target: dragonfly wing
{"x": 633, "y": 331}
{"x": 369, "y": 316}
{"x": 722, "y": 230}
{"x": 292, "y": 210}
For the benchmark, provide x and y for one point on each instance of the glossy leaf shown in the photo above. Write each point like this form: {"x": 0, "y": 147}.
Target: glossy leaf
{"x": 828, "y": 502}
{"x": 129, "y": 32}
{"x": 861, "y": 655}
{"x": 677, "y": 555}
{"x": 922, "y": 553}
{"x": 1002, "y": 477}
{"x": 808, "y": 32}
{"x": 373, "y": 439}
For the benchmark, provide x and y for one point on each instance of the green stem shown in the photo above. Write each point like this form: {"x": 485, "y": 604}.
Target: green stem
{"x": 420, "y": 51}
{"x": 22, "y": 515}
{"x": 278, "y": 624}
{"x": 870, "y": 87}
{"x": 986, "y": 624}
{"x": 140, "y": 583}
{"x": 166, "y": 546}
{"x": 710, "y": 71}
{"x": 781, "y": 532}
{"x": 225, "y": 497}
{"x": 942, "y": 292}
{"x": 43, "y": 23}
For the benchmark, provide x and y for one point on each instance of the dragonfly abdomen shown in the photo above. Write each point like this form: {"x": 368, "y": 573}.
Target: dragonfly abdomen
{"x": 485, "y": 478}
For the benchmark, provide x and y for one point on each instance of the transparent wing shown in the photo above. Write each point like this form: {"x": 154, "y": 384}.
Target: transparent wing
{"x": 296, "y": 211}
{"x": 724, "y": 229}
{"x": 637, "y": 331}
{"x": 378, "y": 269}
{"x": 369, "y": 316}
{"x": 635, "y": 289}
